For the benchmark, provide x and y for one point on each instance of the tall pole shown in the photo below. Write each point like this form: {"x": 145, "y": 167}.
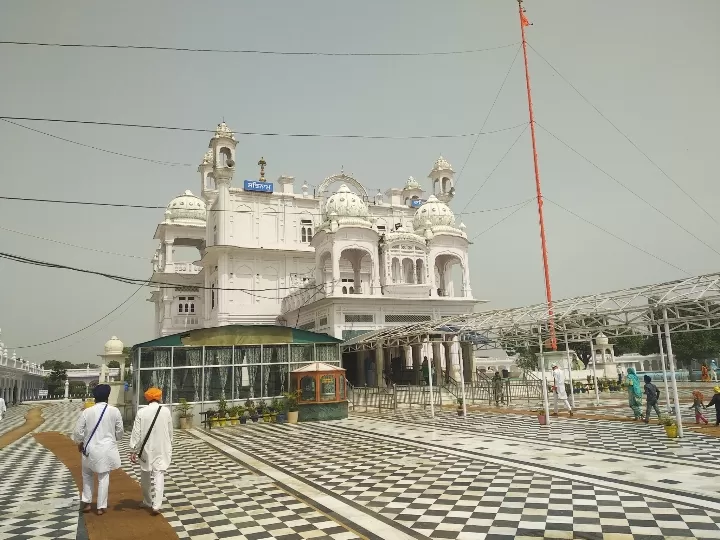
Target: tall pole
{"x": 662, "y": 360}
{"x": 671, "y": 364}
{"x": 548, "y": 291}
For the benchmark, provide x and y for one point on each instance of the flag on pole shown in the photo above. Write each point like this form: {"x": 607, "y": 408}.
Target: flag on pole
{"x": 524, "y": 20}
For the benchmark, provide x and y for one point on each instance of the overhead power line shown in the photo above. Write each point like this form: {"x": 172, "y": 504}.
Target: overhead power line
{"x": 254, "y": 133}
{"x": 120, "y": 154}
{"x": 132, "y": 281}
{"x": 627, "y": 138}
{"x": 646, "y": 252}
{"x": 648, "y": 203}
{"x": 487, "y": 116}
{"x": 151, "y": 207}
{"x": 84, "y": 327}
{"x": 248, "y": 51}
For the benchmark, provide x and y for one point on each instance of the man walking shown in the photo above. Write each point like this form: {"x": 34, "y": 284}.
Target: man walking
{"x": 713, "y": 370}
{"x": 151, "y": 444}
{"x": 3, "y": 408}
{"x": 653, "y": 395}
{"x": 97, "y": 433}
{"x": 559, "y": 389}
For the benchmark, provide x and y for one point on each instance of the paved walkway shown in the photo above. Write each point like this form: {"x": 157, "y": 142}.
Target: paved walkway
{"x": 486, "y": 477}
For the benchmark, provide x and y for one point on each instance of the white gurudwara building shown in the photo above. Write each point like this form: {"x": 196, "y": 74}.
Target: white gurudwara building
{"x": 333, "y": 260}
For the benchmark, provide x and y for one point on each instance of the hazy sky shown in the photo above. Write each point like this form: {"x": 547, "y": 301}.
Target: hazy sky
{"x": 649, "y": 66}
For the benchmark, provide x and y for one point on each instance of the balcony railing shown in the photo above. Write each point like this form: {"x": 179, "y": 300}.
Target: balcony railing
{"x": 182, "y": 268}
{"x": 306, "y": 294}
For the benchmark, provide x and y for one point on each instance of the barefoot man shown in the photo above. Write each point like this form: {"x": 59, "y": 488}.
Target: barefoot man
{"x": 151, "y": 444}
{"x": 97, "y": 433}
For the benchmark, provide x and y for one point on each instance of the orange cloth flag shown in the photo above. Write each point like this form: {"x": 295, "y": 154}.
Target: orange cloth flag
{"x": 524, "y": 20}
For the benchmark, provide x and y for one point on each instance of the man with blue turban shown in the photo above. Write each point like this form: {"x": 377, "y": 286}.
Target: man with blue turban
{"x": 97, "y": 433}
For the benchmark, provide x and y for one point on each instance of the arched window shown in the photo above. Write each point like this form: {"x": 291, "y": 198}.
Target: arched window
{"x": 344, "y": 290}
{"x": 352, "y": 290}
{"x": 186, "y": 308}
{"x": 306, "y": 231}
{"x": 192, "y": 308}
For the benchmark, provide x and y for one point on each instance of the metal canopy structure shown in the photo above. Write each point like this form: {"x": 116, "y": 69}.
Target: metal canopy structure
{"x": 691, "y": 304}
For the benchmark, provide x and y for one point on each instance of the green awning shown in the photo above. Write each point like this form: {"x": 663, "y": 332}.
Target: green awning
{"x": 226, "y": 336}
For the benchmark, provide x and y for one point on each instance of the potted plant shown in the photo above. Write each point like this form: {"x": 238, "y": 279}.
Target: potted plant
{"x": 670, "y": 425}
{"x": 251, "y": 410}
{"x": 184, "y": 414}
{"x": 261, "y": 406}
{"x": 242, "y": 414}
{"x": 267, "y": 414}
{"x": 279, "y": 405}
{"x": 542, "y": 418}
{"x": 460, "y": 406}
{"x": 212, "y": 416}
{"x": 291, "y": 401}
{"x": 233, "y": 415}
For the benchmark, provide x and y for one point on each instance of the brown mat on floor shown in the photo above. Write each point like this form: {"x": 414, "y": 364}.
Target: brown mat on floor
{"x": 33, "y": 419}
{"x": 124, "y": 519}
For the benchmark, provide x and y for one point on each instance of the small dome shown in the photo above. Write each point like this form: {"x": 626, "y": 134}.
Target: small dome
{"x": 442, "y": 164}
{"x": 114, "y": 346}
{"x": 224, "y": 131}
{"x": 208, "y": 157}
{"x": 601, "y": 339}
{"x": 346, "y": 204}
{"x": 412, "y": 184}
{"x": 433, "y": 213}
{"x": 186, "y": 207}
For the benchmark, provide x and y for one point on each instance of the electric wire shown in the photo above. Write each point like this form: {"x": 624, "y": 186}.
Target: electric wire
{"x": 151, "y": 207}
{"x": 249, "y": 51}
{"x": 503, "y": 219}
{"x": 74, "y": 245}
{"x": 83, "y": 328}
{"x": 477, "y": 191}
{"x": 254, "y": 133}
{"x": 662, "y": 171}
{"x": 646, "y": 252}
{"x": 629, "y": 190}
{"x": 167, "y": 163}
{"x": 487, "y": 116}
{"x": 132, "y": 281}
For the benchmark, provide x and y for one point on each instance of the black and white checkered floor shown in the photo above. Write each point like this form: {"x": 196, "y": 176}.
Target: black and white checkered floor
{"x": 446, "y": 477}
{"x": 209, "y": 496}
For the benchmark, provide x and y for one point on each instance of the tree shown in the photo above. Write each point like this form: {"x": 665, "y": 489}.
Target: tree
{"x": 527, "y": 359}
{"x": 113, "y": 364}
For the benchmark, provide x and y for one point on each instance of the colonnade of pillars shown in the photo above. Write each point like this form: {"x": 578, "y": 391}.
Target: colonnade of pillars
{"x": 17, "y": 389}
{"x": 374, "y": 367}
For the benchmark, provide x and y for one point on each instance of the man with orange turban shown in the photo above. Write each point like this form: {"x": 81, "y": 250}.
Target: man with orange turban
{"x": 151, "y": 445}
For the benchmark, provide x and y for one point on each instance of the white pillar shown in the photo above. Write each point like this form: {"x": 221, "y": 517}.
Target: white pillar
{"x": 456, "y": 351}
{"x": 431, "y": 361}
{"x": 671, "y": 363}
{"x": 662, "y": 361}
{"x": 380, "y": 364}
{"x": 67, "y": 389}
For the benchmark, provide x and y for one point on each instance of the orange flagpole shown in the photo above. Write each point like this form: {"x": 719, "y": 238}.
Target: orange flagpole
{"x": 548, "y": 290}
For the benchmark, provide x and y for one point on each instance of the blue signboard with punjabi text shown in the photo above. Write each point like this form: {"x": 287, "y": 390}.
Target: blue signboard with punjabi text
{"x": 261, "y": 187}
{"x": 416, "y": 203}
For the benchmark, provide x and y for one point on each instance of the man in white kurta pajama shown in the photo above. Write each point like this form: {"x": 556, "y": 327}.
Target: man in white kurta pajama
{"x": 157, "y": 454}
{"x": 100, "y": 452}
{"x": 559, "y": 389}
{"x": 3, "y": 408}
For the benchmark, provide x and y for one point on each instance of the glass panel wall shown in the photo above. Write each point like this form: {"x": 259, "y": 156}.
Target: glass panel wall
{"x": 207, "y": 374}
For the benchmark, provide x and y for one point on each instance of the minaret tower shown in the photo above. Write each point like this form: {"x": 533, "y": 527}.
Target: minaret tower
{"x": 223, "y": 150}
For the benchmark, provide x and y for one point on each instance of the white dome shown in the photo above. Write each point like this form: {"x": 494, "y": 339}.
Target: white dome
{"x": 412, "y": 184}
{"x": 434, "y": 211}
{"x": 601, "y": 339}
{"x": 346, "y": 204}
{"x": 442, "y": 164}
{"x": 208, "y": 157}
{"x": 114, "y": 346}
{"x": 186, "y": 207}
